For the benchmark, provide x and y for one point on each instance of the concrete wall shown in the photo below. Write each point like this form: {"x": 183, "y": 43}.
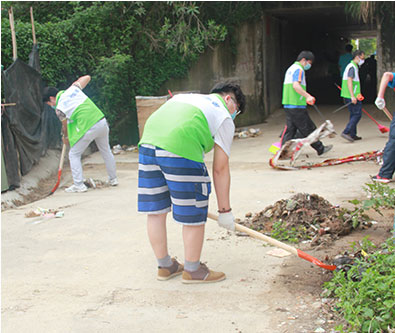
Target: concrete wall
{"x": 243, "y": 65}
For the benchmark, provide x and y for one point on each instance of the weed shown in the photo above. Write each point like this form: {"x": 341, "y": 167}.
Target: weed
{"x": 379, "y": 196}
{"x": 293, "y": 235}
{"x": 366, "y": 293}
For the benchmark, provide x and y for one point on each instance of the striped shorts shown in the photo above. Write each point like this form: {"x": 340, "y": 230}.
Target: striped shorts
{"x": 166, "y": 180}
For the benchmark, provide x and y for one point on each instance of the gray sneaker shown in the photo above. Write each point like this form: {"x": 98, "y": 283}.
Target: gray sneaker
{"x": 326, "y": 149}
{"x": 347, "y": 137}
{"x": 76, "y": 188}
{"x": 113, "y": 182}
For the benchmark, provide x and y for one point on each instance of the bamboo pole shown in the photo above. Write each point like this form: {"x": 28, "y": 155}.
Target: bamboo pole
{"x": 14, "y": 50}
{"x": 33, "y": 30}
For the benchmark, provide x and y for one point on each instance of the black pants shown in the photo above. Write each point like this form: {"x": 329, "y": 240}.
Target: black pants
{"x": 299, "y": 119}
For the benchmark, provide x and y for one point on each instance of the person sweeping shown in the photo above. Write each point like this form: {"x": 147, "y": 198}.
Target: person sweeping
{"x": 82, "y": 123}
{"x": 351, "y": 88}
{"x": 295, "y": 99}
{"x": 173, "y": 176}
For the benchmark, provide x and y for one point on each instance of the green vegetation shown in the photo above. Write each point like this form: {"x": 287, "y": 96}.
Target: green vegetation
{"x": 292, "y": 235}
{"x": 129, "y": 48}
{"x": 379, "y": 196}
{"x": 366, "y": 293}
{"x": 367, "y": 45}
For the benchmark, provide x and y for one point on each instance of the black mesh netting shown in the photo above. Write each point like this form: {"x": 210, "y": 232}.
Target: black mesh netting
{"x": 30, "y": 127}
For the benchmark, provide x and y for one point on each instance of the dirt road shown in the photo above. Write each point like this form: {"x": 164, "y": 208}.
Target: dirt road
{"x": 94, "y": 271}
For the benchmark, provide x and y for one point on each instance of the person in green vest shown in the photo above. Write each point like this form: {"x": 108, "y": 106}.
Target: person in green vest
{"x": 351, "y": 90}
{"x": 173, "y": 176}
{"x": 82, "y": 123}
{"x": 295, "y": 99}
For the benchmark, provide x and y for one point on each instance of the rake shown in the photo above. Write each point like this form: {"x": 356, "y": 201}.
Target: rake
{"x": 276, "y": 243}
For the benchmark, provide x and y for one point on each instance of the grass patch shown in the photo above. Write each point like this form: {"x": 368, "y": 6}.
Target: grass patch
{"x": 366, "y": 292}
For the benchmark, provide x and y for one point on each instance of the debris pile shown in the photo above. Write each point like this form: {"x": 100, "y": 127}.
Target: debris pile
{"x": 308, "y": 216}
{"x": 46, "y": 212}
{"x": 95, "y": 183}
{"x": 118, "y": 149}
{"x": 247, "y": 133}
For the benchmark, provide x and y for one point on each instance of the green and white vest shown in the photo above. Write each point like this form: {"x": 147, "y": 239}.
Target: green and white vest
{"x": 290, "y": 96}
{"x": 356, "y": 85}
{"x": 186, "y": 124}
{"x": 80, "y": 111}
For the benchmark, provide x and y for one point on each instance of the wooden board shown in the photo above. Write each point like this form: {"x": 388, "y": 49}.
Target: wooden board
{"x": 146, "y": 105}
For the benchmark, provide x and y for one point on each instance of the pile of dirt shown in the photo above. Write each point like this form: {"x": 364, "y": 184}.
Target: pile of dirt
{"x": 303, "y": 217}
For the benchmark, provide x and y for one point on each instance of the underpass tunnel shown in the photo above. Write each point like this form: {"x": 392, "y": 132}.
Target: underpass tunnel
{"x": 325, "y": 31}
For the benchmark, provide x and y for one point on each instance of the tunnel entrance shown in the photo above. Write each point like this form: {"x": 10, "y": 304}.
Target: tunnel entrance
{"x": 324, "y": 29}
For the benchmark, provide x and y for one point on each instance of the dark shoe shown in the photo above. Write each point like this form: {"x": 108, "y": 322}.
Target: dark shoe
{"x": 356, "y": 137}
{"x": 347, "y": 137}
{"x": 326, "y": 149}
{"x": 166, "y": 273}
{"x": 202, "y": 275}
{"x": 381, "y": 179}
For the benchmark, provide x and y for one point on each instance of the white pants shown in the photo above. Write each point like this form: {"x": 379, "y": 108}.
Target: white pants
{"x": 99, "y": 133}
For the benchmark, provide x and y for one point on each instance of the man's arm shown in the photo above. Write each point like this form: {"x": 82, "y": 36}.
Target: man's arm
{"x": 298, "y": 88}
{"x": 221, "y": 176}
{"x": 385, "y": 79}
{"x": 82, "y": 82}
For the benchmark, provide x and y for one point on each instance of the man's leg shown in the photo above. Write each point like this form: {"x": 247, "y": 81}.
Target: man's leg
{"x": 306, "y": 126}
{"x": 157, "y": 234}
{"x": 355, "y": 117}
{"x": 154, "y": 199}
{"x": 75, "y": 154}
{"x": 388, "y": 168}
{"x": 193, "y": 237}
{"x": 101, "y": 131}
{"x": 291, "y": 128}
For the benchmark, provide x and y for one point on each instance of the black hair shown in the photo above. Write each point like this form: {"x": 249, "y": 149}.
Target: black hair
{"x": 48, "y": 92}
{"x": 308, "y": 55}
{"x": 348, "y": 48}
{"x": 231, "y": 87}
{"x": 357, "y": 53}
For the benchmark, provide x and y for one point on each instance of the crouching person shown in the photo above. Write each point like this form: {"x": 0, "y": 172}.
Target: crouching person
{"x": 172, "y": 174}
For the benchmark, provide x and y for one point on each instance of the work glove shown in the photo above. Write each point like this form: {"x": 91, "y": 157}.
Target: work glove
{"x": 226, "y": 220}
{"x": 380, "y": 103}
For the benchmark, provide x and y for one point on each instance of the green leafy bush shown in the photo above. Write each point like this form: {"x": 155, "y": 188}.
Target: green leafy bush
{"x": 129, "y": 48}
{"x": 366, "y": 294}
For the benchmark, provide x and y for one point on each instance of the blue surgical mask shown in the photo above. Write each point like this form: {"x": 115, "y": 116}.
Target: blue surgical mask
{"x": 307, "y": 67}
{"x": 235, "y": 114}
